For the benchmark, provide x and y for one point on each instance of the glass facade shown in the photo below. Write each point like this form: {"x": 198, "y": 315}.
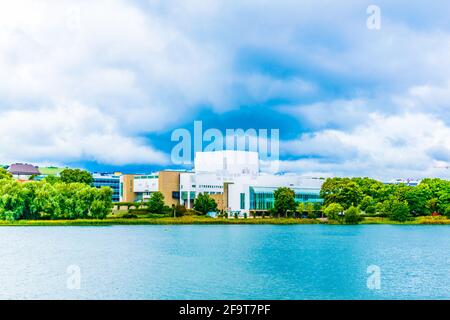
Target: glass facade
{"x": 242, "y": 201}
{"x": 263, "y": 198}
{"x": 109, "y": 181}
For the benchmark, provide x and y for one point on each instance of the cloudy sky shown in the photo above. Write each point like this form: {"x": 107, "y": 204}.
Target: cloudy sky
{"x": 103, "y": 84}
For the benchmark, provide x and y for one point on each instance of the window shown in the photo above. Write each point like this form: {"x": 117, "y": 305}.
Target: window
{"x": 242, "y": 201}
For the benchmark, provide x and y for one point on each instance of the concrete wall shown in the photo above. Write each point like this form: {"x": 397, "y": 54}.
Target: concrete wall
{"x": 127, "y": 183}
{"x": 168, "y": 182}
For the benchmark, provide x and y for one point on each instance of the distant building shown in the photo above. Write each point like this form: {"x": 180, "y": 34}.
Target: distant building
{"x": 111, "y": 180}
{"x": 407, "y": 182}
{"x": 23, "y": 171}
{"x": 139, "y": 187}
{"x": 232, "y": 178}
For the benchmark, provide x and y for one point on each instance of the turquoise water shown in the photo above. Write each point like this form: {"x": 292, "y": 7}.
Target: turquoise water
{"x": 225, "y": 262}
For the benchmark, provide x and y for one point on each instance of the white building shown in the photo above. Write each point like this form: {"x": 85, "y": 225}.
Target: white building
{"x": 235, "y": 174}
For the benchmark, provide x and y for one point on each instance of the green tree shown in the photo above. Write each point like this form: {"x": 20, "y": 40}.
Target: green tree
{"x": 284, "y": 201}
{"x": 399, "y": 211}
{"x": 341, "y": 190}
{"x": 76, "y": 175}
{"x": 52, "y": 179}
{"x": 5, "y": 174}
{"x": 156, "y": 203}
{"x": 446, "y": 211}
{"x": 310, "y": 210}
{"x": 204, "y": 203}
{"x": 12, "y": 200}
{"x": 333, "y": 210}
{"x": 352, "y": 215}
{"x": 418, "y": 198}
{"x": 301, "y": 208}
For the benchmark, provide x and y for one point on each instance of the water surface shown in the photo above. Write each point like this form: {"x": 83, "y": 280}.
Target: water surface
{"x": 225, "y": 262}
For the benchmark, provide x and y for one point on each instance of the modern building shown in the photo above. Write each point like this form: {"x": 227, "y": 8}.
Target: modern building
{"x": 23, "y": 171}
{"x": 232, "y": 178}
{"x": 111, "y": 180}
{"x": 139, "y": 187}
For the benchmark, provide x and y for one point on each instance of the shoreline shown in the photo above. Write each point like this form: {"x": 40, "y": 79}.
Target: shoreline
{"x": 193, "y": 220}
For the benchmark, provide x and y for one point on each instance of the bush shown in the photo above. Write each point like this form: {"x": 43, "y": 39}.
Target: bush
{"x": 333, "y": 210}
{"x": 447, "y": 211}
{"x": 180, "y": 210}
{"x": 139, "y": 211}
{"x": 352, "y": 215}
{"x": 204, "y": 203}
{"x": 129, "y": 216}
{"x": 400, "y": 211}
{"x": 311, "y": 215}
{"x": 156, "y": 203}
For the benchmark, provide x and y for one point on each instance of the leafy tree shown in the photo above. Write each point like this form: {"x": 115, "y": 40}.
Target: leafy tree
{"x": 301, "y": 208}
{"x": 341, "y": 190}
{"x": 284, "y": 201}
{"x": 156, "y": 203}
{"x": 52, "y": 179}
{"x": 418, "y": 198}
{"x": 5, "y": 174}
{"x": 204, "y": 203}
{"x": 433, "y": 204}
{"x": 446, "y": 211}
{"x": 333, "y": 210}
{"x": 76, "y": 175}
{"x": 400, "y": 211}
{"x": 352, "y": 215}
{"x": 12, "y": 200}
{"x": 310, "y": 209}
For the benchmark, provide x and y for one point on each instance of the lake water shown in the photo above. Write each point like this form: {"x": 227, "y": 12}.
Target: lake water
{"x": 225, "y": 262}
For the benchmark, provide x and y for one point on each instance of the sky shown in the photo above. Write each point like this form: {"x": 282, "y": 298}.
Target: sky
{"x": 102, "y": 84}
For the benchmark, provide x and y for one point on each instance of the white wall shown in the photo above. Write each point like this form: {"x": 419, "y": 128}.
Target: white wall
{"x": 145, "y": 185}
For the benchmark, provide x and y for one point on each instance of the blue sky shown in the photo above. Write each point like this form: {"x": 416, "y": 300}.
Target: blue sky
{"x": 103, "y": 84}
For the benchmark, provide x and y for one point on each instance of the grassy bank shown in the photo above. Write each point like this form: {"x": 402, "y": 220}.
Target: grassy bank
{"x": 206, "y": 220}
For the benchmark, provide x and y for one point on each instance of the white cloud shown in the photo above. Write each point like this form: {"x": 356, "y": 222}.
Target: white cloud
{"x": 69, "y": 133}
{"x": 386, "y": 147}
{"x": 146, "y": 66}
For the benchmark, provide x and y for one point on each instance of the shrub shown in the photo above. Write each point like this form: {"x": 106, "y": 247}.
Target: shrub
{"x": 156, "y": 203}
{"x": 332, "y": 211}
{"x": 352, "y": 215}
{"x": 129, "y": 216}
{"x": 311, "y": 215}
{"x": 139, "y": 211}
{"x": 180, "y": 210}
{"x": 400, "y": 211}
{"x": 204, "y": 203}
{"x": 446, "y": 211}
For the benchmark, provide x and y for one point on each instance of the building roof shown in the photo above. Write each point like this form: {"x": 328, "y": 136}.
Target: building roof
{"x": 23, "y": 168}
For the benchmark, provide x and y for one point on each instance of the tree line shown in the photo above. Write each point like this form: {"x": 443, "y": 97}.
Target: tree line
{"x": 399, "y": 202}
{"x": 67, "y": 197}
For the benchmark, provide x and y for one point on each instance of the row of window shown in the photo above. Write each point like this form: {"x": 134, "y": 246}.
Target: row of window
{"x": 207, "y": 186}
{"x": 146, "y": 177}
{"x": 265, "y": 200}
